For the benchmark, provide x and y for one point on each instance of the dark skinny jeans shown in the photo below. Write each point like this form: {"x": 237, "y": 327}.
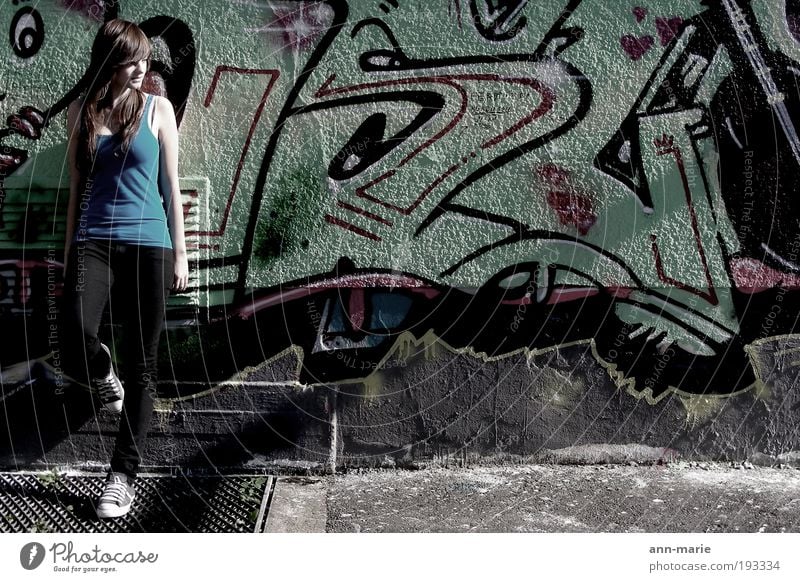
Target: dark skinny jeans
{"x": 141, "y": 278}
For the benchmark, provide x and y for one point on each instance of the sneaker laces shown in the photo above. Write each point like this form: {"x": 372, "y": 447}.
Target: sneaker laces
{"x": 107, "y": 388}
{"x": 115, "y": 492}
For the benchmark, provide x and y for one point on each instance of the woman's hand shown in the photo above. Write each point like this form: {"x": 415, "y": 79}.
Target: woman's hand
{"x": 181, "y": 278}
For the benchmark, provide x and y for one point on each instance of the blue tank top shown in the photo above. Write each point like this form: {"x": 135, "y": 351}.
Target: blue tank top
{"x": 124, "y": 202}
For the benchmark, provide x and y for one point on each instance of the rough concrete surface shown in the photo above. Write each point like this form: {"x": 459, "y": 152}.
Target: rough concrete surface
{"x": 298, "y": 506}
{"x": 675, "y": 498}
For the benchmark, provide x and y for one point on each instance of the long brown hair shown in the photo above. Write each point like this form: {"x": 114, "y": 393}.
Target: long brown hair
{"x": 118, "y": 42}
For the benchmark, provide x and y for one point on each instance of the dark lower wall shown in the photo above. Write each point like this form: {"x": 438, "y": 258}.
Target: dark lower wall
{"x": 432, "y": 405}
{"x": 455, "y": 405}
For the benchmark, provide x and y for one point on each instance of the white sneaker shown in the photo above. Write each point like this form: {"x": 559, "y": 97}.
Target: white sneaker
{"x": 117, "y": 496}
{"x": 109, "y": 388}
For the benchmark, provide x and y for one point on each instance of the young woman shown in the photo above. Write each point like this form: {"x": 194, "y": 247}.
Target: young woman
{"x": 124, "y": 230}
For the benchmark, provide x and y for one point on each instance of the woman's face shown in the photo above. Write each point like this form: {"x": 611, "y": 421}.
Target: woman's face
{"x": 130, "y": 75}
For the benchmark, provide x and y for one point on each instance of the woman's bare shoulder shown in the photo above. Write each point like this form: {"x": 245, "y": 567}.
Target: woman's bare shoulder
{"x": 164, "y": 113}
{"x": 76, "y": 104}
{"x": 74, "y": 111}
{"x": 162, "y": 103}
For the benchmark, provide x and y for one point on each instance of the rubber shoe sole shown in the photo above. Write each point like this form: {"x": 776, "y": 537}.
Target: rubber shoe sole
{"x": 112, "y": 511}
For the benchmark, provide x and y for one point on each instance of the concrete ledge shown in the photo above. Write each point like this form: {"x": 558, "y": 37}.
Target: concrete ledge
{"x": 299, "y": 505}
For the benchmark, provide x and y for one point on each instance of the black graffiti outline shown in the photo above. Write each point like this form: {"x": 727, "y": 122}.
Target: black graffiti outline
{"x": 501, "y": 15}
{"x": 769, "y": 79}
{"x": 340, "y": 12}
{"x": 179, "y": 38}
{"x": 431, "y": 104}
{"x": 545, "y": 50}
{"x": 522, "y": 232}
{"x": 548, "y": 48}
{"x": 631, "y": 172}
{"x": 31, "y": 121}
{"x": 36, "y": 34}
{"x": 558, "y": 39}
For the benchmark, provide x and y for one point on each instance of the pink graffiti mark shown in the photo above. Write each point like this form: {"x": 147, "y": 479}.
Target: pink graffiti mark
{"x": 247, "y": 310}
{"x": 545, "y": 105}
{"x": 154, "y": 84}
{"x": 752, "y": 276}
{"x": 572, "y": 207}
{"x": 566, "y": 294}
{"x": 668, "y": 28}
{"x": 636, "y": 46}
{"x": 571, "y": 294}
{"x": 92, "y": 9}
{"x": 273, "y": 76}
{"x": 326, "y": 91}
{"x": 620, "y": 292}
{"x": 362, "y": 212}
{"x": 360, "y": 281}
{"x": 11, "y": 160}
{"x": 355, "y": 308}
{"x": 301, "y": 25}
{"x": 27, "y": 122}
{"x": 456, "y": 5}
{"x": 191, "y": 203}
{"x": 352, "y": 228}
{"x": 640, "y": 13}
{"x": 21, "y": 292}
{"x": 665, "y": 146}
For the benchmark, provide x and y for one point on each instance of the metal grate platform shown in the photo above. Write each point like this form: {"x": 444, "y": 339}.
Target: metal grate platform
{"x": 51, "y": 502}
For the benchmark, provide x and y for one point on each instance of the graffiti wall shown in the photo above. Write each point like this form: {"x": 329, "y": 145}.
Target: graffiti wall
{"x": 396, "y": 196}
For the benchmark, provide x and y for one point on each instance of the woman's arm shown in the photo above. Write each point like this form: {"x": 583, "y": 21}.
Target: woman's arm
{"x": 168, "y": 183}
{"x": 73, "y": 135}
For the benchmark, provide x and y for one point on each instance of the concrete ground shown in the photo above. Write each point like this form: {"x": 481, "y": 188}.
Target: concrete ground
{"x": 676, "y": 497}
